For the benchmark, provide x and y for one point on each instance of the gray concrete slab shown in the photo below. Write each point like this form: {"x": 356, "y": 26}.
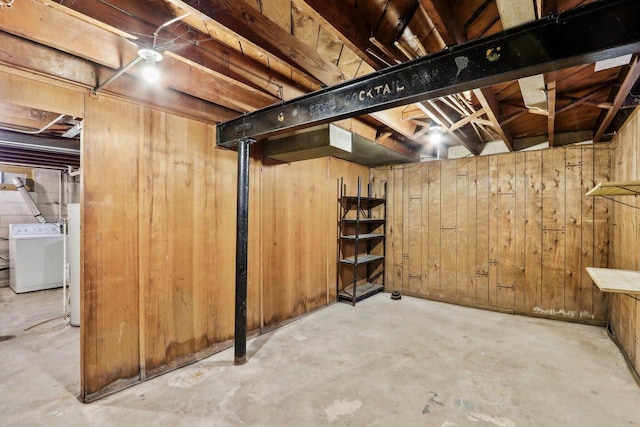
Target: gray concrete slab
{"x": 404, "y": 363}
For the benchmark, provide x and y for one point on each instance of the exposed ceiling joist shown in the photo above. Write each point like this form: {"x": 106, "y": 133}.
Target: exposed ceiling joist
{"x": 513, "y": 13}
{"x": 519, "y": 52}
{"x": 584, "y": 98}
{"x": 564, "y": 138}
{"x": 240, "y": 18}
{"x": 490, "y": 105}
{"x": 473, "y": 117}
{"x": 444, "y": 19}
{"x": 126, "y": 15}
{"x": 109, "y": 48}
{"x": 19, "y": 53}
{"x": 629, "y": 80}
{"x": 348, "y": 26}
{"x": 551, "y": 106}
{"x": 443, "y": 123}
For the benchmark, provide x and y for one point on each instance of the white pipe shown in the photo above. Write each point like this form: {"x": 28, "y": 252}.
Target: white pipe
{"x": 65, "y": 268}
{"x": 28, "y": 200}
{"x": 59, "y": 197}
{"x": 36, "y": 132}
{"x": 72, "y": 172}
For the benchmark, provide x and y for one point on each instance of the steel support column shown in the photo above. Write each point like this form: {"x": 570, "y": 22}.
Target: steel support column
{"x": 587, "y": 34}
{"x": 242, "y": 243}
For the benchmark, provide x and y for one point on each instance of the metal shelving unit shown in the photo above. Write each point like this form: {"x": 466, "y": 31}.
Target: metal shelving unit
{"x": 360, "y": 232}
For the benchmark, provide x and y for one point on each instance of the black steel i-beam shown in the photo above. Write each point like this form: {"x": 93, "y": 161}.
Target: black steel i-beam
{"x": 591, "y": 33}
{"x": 242, "y": 244}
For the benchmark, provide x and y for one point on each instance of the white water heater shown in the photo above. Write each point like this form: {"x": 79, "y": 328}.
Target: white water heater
{"x": 73, "y": 248}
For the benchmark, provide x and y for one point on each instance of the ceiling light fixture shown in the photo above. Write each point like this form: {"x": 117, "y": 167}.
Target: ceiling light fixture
{"x": 149, "y": 72}
{"x": 150, "y": 56}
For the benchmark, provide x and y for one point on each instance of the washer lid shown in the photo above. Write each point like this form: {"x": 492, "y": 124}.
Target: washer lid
{"x": 33, "y": 229}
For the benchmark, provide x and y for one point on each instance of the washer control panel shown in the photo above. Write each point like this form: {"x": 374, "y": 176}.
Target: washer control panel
{"x": 33, "y": 229}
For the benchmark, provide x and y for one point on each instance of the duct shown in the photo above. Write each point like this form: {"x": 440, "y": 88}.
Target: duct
{"x": 38, "y": 146}
{"x": 331, "y": 141}
{"x": 28, "y": 200}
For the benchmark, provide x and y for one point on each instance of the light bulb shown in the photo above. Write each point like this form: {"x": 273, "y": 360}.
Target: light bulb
{"x": 150, "y": 73}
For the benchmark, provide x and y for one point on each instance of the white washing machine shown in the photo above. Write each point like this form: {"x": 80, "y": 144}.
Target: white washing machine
{"x": 36, "y": 257}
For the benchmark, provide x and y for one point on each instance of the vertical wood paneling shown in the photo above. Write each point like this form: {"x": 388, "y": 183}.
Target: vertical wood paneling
{"x": 553, "y": 225}
{"x": 425, "y": 186}
{"x": 520, "y": 231}
{"x": 472, "y": 233}
{"x": 587, "y": 259}
{"x": 448, "y": 249}
{"x": 602, "y": 228}
{"x": 623, "y": 233}
{"x": 110, "y": 328}
{"x": 506, "y": 250}
{"x": 295, "y": 238}
{"x": 434, "y": 238}
{"x": 493, "y": 229}
{"x": 482, "y": 230}
{"x": 405, "y": 223}
{"x": 533, "y": 231}
{"x": 506, "y": 223}
{"x": 396, "y": 209}
{"x": 462, "y": 239}
{"x": 573, "y": 243}
{"x": 414, "y": 252}
{"x": 502, "y": 231}
{"x": 553, "y": 194}
{"x": 158, "y": 243}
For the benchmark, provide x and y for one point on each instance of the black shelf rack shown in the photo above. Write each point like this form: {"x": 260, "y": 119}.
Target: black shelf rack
{"x": 361, "y": 244}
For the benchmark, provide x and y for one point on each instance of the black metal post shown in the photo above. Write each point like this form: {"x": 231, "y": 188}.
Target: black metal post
{"x": 242, "y": 243}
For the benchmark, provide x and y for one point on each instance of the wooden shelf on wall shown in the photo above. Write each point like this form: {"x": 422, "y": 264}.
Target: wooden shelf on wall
{"x": 612, "y": 280}
{"x": 620, "y": 188}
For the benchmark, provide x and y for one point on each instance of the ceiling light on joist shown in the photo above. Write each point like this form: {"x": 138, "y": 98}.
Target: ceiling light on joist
{"x": 149, "y": 72}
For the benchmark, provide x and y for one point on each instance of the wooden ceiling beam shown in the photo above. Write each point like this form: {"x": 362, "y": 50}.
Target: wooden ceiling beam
{"x": 561, "y": 139}
{"x": 127, "y": 15}
{"x": 249, "y": 24}
{"x": 444, "y": 19}
{"x": 550, "y": 6}
{"x": 349, "y": 26}
{"x": 582, "y": 99}
{"x": 525, "y": 109}
{"x": 570, "y": 100}
{"x": 490, "y": 104}
{"x": 551, "y": 107}
{"x": 392, "y": 118}
{"x": 632, "y": 74}
{"x": 471, "y": 144}
{"x": 280, "y": 39}
{"x": 18, "y": 53}
{"x": 473, "y": 117}
{"x": 70, "y": 34}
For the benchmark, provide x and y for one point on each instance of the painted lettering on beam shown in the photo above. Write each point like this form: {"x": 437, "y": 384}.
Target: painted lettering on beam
{"x": 374, "y": 93}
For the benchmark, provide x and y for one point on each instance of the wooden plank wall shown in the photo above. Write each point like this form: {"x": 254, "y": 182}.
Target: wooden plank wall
{"x": 509, "y": 232}
{"x": 299, "y": 234}
{"x": 158, "y": 243}
{"x": 625, "y": 238}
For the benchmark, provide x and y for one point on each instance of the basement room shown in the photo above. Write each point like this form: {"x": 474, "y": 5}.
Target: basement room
{"x": 320, "y": 212}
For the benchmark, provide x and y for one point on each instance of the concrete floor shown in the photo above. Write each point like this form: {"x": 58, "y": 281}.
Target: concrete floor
{"x": 402, "y": 363}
